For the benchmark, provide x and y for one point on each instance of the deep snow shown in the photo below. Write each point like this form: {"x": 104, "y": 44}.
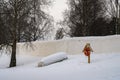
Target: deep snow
{"x": 102, "y": 67}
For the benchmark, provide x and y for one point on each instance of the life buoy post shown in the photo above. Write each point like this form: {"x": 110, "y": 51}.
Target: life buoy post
{"x": 87, "y": 49}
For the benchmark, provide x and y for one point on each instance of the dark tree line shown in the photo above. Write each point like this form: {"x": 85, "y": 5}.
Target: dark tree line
{"x": 92, "y": 17}
{"x": 22, "y": 21}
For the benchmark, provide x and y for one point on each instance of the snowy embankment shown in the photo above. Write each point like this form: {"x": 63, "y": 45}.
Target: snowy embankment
{"x": 106, "y": 44}
{"x": 102, "y": 67}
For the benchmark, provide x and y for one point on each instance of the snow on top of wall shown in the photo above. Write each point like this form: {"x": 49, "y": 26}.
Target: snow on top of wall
{"x": 79, "y": 38}
{"x": 75, "y": 45}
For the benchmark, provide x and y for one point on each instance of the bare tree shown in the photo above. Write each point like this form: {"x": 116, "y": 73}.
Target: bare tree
{"x": 81, "y": 15}
{"x": 112, "y": 9}
{"x": 22, "y": 20}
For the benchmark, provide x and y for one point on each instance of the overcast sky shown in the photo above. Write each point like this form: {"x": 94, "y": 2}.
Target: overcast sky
{"x": 58, "y": 7}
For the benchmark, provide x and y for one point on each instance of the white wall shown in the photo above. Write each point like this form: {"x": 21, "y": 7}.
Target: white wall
{"x": 108, "y": 44}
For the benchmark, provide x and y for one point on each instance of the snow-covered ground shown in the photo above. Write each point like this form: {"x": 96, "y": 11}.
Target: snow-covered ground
{"x": 102, "y": 67}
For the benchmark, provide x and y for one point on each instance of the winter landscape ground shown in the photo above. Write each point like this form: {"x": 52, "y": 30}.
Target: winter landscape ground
{"x": 103, "y": 66}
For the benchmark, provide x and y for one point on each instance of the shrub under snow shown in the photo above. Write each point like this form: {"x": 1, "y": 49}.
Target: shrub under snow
{"x": 57, "y": 57}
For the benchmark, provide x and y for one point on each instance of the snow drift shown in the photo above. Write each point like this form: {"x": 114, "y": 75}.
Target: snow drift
{"x": 57, "y": 57}
{"x": 105, "y": 44}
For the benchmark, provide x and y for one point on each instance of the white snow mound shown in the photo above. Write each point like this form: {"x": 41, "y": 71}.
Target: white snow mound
{"x": 57, "y": 57}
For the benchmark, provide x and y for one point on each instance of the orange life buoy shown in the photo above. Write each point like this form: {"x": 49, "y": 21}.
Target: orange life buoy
{"x": 87, "y": 51}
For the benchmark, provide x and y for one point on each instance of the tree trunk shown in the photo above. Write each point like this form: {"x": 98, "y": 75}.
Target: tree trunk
{"x": 13, "y": 55}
